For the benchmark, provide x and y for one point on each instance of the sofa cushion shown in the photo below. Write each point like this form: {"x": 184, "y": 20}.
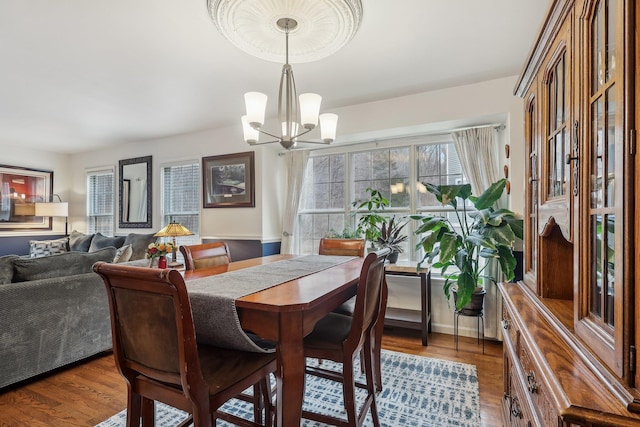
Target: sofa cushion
{"x": 41, "y": 248}
{"x": 123, "y": 254}
{"x": 79, "y": 242}
{"x": 139, "y": 244}
{"x": 66, "y": 264}
{"x": 6, "y": 268}
{"x": 100, "y": 241}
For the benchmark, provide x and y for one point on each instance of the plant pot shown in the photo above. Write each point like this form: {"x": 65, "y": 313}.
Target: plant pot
{"x": 475, "y": 306}
{"x": 393, "y": 257}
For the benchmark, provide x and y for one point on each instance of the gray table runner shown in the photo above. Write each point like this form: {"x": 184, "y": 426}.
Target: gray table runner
{"x": 213, "y": 298}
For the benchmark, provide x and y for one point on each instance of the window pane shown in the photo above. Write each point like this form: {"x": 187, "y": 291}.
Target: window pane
{"x": 324, "y": 183}
{"x": 389, "y": 174}
{"x": 100, "y": 202}
{"x": 438, "y": 165}
{"x": 181, "y": 199}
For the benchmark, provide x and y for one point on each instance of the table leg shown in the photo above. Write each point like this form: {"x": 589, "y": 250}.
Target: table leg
{"x": 290, "y": 373}
{"x": 425, "y": 311}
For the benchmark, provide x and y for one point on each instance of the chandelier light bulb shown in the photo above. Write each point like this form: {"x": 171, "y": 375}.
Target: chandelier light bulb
{"x": 328, "y": 127}
{"x": 309, "y": 110}
{"x": 256, "y": 105}
{"x": 251, "y": 135}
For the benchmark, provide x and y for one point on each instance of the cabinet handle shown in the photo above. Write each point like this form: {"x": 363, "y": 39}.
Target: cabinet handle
{"x": 514, "y": 408}
{"x": 506, "y": 324}
{"x": 576, "y": 151}
{"x": 568, "y": 158}
{"x": 531, "y": 381}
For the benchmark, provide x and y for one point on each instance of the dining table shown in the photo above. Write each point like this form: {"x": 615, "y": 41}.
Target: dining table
{"x": 284, "y": 314}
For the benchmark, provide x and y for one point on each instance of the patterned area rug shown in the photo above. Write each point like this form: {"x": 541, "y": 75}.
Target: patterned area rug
{"x": 418, "y": 391}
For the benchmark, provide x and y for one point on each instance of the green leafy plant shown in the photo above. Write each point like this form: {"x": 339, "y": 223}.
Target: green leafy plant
{"x": 347, "y": 233}
{"x": 489, "y": 234}
{"x": 368, "y": 223}
{"x": 390, "y": 236}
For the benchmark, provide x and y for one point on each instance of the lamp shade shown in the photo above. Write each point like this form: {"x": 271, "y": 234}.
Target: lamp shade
{"x": 328, "y": 126}
{"x": 52, "y": 209}
{"x": 309, "y": 109}
{"x": 256, "y": 105}
{"x": 251, "y": 135}
{"x": 173, "y": 229}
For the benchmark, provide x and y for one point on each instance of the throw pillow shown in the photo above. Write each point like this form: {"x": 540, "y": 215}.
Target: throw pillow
{"x": 101, "y": 241}
{"x": 123, "y": 254}
{"x": 79, "y": 242}
{"x": 6, "y": 268}
{"x": 60, "y": 265}
{"x": 40, "y": 248}
{"x": 139, "y": 244}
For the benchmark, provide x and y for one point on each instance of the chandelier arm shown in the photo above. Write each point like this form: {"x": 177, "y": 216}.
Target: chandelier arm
{"x": 262, "y": 143}
{"x": 278, "y": 138}
{"x": 313, "y": 142}
{"x": 302, "y": 133}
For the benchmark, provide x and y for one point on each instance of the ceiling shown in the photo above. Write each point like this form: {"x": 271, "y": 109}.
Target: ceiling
{"x": 78, "y": 75}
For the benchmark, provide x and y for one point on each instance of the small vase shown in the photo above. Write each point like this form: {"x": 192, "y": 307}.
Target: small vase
{"x": 393, "y": 257}
{"x": 162, "y": 262}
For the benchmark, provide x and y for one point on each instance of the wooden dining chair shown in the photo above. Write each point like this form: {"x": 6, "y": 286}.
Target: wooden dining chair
{"x": 155, "y": 349}
{"x": 353, "y": 247}
{"x": 205, "y": 255}
{"x": 341, "y": 338}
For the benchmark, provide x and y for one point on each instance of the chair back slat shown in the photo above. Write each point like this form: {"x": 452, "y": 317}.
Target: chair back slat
{"x": 151, "y": 322}
{"x": 352, "y": 247}
{"x": 368, "y": 297}
{"x": 205, "y": 255}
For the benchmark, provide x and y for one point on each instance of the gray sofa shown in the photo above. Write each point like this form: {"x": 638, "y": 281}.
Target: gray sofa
{"x": 53, "y": 311}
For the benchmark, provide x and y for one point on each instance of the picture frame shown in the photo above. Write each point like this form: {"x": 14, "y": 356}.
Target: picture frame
{"x": 228, "y": 181}
{"x": 20, "y": 189}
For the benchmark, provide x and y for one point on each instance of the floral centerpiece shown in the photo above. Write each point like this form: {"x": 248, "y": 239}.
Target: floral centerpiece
{"x": 155, "y": 250}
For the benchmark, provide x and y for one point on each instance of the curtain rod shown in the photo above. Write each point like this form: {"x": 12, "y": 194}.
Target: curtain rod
{"x": 496, "y": 126}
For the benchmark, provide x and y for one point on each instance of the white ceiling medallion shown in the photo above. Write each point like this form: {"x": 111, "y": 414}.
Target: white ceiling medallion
{"x": 324, "y": 26}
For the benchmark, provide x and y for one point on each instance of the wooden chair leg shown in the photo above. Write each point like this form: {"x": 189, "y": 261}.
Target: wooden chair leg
{"x": 349, "y": 391}
{"x": 134, "y": 401}
{"x": 148, "y": 413}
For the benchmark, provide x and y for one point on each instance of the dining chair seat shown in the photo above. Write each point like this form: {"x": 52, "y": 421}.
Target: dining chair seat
{"x": 205, "y": 255}
{"x": 155, "y": 349}
{"x": 342, "y": 338}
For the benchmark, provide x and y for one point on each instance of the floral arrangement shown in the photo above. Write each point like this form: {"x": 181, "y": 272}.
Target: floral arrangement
{"x": 158, "y": 249}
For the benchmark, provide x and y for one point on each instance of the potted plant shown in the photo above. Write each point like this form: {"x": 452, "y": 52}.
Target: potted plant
{"x": 487, "y": 233}
{"x": 391, "y": 238}
{"x": 369, "y": 221}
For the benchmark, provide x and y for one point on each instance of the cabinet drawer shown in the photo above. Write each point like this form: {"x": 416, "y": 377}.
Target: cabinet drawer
{"x": 509, "y": 327}
{"x": 537, "y": 389}
{"x": 516, "y": 408}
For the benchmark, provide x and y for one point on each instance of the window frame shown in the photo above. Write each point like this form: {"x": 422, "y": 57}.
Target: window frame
{"x": 411, "y": 254}
{"x": 166, "y": 217}
{"x": 109, "y": 170}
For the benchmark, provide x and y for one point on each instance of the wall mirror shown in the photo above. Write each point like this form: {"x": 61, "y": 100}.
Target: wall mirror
{"x": 135, "y": 193}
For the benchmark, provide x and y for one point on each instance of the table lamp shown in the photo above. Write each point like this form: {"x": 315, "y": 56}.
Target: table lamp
{"x": 173, "y": 229}
{"x": 51, "y": 209}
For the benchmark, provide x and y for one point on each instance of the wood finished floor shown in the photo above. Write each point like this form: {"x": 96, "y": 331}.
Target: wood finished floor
{"x": 89, "y": 392}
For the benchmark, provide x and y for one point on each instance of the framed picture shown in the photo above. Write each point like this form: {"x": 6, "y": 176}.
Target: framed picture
{"x": 20, "y": 189}
{"x": 228, "y": 180}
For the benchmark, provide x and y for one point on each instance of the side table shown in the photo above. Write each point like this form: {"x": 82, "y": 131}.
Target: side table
{"x": 424, "y": 273}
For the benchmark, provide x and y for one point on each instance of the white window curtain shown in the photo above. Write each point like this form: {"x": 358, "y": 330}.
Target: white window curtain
{"x": 296, "y": 165}
{"x": 478, "y": 152}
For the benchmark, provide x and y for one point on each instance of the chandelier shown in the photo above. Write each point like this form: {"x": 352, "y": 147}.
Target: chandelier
{"x": 320, "y": 28}
{"x": 297, "y": 116}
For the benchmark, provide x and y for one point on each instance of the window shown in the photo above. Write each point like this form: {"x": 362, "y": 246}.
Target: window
{"x": 180, "y": 185}
{"x": 100, "y": 202}
{"x": 336, "y": 177}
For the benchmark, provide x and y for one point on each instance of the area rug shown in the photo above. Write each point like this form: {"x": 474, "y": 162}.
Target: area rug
{"x": 418, "y": 391}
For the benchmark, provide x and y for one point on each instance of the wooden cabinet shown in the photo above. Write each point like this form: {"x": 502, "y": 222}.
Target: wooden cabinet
{"x": 572, "y": 324}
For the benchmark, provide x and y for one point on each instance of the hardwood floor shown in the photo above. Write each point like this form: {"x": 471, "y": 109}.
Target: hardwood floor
{"x": 89, "y": 392}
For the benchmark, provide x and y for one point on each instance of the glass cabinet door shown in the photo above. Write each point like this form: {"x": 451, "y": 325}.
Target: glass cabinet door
{"x": 602, "y": 158}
